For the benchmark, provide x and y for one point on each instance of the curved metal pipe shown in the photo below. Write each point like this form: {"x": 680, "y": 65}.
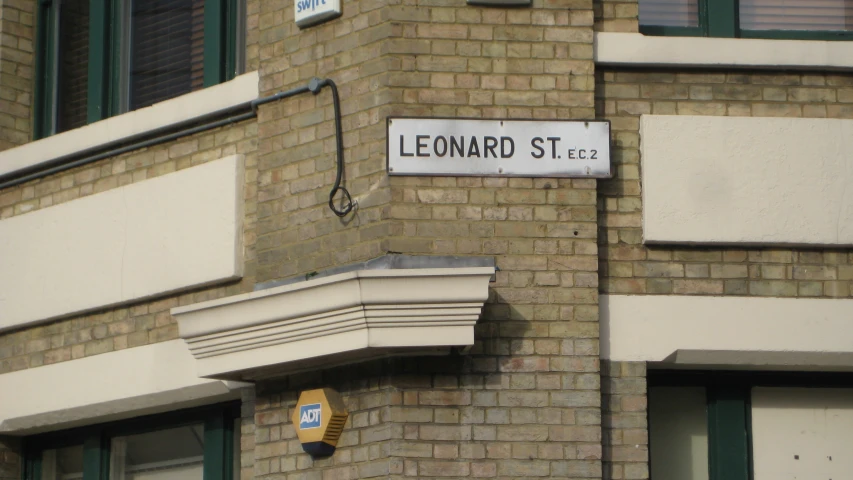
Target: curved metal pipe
{"x": 65, "y": 162}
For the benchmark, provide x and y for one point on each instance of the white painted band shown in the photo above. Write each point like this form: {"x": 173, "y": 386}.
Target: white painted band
{"x": 239, "y": 90}
{"x": 653, "y": 327}
{"x": 126, "y": 383}
{"x": 613, "y": 48}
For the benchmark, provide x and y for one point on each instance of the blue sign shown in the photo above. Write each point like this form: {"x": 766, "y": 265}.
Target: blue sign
{"x": 309, "y": 416}
{"x": 303, "y": 5}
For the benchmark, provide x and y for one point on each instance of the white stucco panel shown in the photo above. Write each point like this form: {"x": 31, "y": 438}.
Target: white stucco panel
{"x": 731, "y": 180}
{"x": 170, "y": 233}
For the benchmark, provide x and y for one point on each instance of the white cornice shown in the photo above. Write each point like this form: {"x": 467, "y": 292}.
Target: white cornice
{"x": 348, "y": 317}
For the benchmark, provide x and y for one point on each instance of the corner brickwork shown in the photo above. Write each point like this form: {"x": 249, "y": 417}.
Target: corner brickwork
{"x": 624, "y": 420}
{"x": 440, "y": 59}
{"x": 525, "y": 401}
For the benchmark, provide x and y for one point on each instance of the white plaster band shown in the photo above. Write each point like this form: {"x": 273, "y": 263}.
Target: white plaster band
{"x": 654, "y": 327}
{"x": 126, "y": 126}
{"x": 127, "y": 383}
{"x": 635, "y": 49}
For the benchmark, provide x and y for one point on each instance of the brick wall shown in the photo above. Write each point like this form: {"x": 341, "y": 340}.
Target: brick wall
{"x": 143, "y": 322}
{"x": 624, "y": 420}
{"x": 438, "y": 417}
{"x": 629, "y": 267}
{"x": 616, "y": 15}
{"x": 364, "y": 449}
{"x": 17, "y": 64}
{"x": 297, "y": 232}
{"x": 253, "y": 35}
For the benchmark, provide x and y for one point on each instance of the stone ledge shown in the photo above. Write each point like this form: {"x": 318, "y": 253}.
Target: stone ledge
{"x": 128, "y": 126}
{"x": 635, "y": 49}
{"x": 338, "y": 319}
{"x": 113, "y": 386}
{"x": 759, "y": 360}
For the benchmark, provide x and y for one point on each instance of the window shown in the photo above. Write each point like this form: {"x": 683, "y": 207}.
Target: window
{"x": 201, "y": 444}
{"x": 792, "y": 19}
{"x": 99, "y": 58}
{"x": 750, "y": 426}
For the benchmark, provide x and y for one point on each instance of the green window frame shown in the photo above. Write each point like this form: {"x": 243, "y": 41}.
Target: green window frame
{"x": 107, "y": 38}
{"x": 219, "y": 441}
{"x": 720, "y": 18}
{"x": 728, "y": 408}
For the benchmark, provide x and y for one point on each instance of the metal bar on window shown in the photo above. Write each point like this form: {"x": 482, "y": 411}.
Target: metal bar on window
{"x": 99, "y": 51}
{"x": 214, "y": 44}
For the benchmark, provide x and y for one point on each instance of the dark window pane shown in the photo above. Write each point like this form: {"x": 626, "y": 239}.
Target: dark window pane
{"x": 167, "y": 50}
{"x": 827, "y": 15}
{"x": 73, "y": 64}
{"x": 678, "y": 433}
{"x": 174, "y": 454}
{"x": 62, "y": 464}
{"x": 669, "y": 13}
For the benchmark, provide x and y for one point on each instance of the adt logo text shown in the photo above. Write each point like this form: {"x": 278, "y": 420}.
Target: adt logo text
{"x": 303, "y": 5}
{"x": 309, "y": 416}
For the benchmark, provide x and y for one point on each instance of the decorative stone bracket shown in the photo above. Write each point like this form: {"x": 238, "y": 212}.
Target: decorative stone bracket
{"x": 334, "y": 320}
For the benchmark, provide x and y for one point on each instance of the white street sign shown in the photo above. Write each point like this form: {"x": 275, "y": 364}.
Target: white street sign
{"x": 521, "y": 148}
{"x": 310, "y": 12}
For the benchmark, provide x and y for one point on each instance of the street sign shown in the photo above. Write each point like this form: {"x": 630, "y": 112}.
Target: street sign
{"x": 520, "y": 148}
{"x": 311, "y": 12}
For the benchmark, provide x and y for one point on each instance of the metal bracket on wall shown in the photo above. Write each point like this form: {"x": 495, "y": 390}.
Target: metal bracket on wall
{"x": 200, "y": 124}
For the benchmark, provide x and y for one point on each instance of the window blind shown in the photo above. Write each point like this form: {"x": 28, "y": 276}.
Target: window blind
{"x": 72, "y": 65}
{"x": 167, "y": 50}
{"x": 670, "y": 13}
{"x": 826, "y": 15}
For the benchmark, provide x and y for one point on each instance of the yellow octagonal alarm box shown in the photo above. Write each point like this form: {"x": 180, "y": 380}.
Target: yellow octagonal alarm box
{"x": 319, "y": 419}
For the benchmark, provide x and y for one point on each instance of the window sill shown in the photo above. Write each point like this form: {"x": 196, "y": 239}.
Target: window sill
{"x": 121, "y": 128}
{"x": 634, "y": 49}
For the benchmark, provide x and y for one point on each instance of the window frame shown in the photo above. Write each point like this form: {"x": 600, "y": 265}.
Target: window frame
{"x": 108, "y": 53}
{"x": 721, "y": 18}
{"x": 219, "y": 436}
{"x": 728, "y": 403}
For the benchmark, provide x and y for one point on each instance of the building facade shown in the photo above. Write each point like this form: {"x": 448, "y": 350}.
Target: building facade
{"x": 178, "y": 260}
